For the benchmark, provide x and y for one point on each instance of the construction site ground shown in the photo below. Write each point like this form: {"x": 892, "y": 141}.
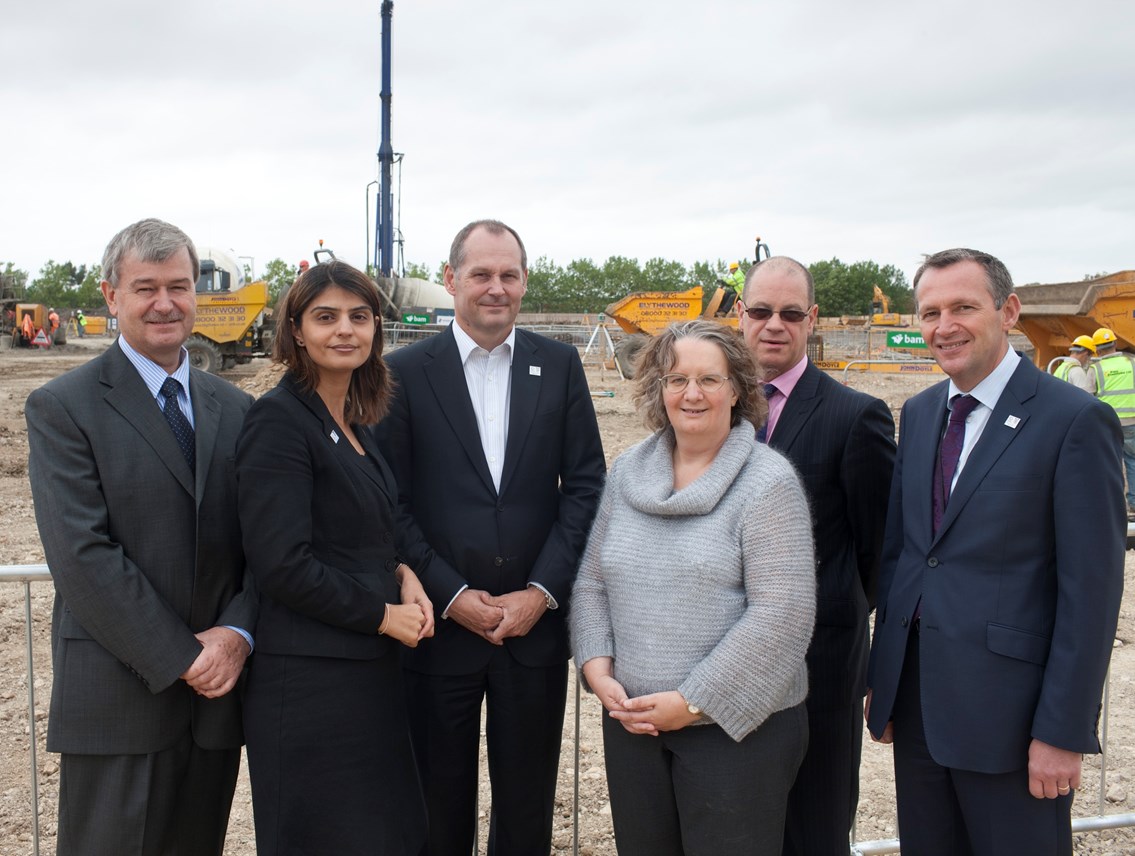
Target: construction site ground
{"x": 21, "y": 371}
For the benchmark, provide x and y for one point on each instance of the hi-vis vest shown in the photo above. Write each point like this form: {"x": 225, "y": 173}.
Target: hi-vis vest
{"x": 1115, "y": 383}
{"x": 1065, "y": 367}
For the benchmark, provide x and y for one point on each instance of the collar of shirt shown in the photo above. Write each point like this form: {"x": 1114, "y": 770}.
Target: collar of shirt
{"x": 784, "y": 384}
{"x": 987, "y": 393}
{"x": 466, "y": 345}
{"x": 154, "y": 375}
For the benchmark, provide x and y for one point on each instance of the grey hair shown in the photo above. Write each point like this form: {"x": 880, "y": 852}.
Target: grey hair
{"x": 657, "y": 359}
{"x": 997, "y": 276}
{"x": 493, "y": 227}
{"x": 152, "y": 240}
{"x": 783, "y": 264}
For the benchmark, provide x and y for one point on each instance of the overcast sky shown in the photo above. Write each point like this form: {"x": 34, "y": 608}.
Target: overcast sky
{"x": 874, "y": 130}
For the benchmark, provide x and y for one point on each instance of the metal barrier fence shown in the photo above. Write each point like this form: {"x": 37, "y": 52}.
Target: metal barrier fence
{"x": 27, "y": 574}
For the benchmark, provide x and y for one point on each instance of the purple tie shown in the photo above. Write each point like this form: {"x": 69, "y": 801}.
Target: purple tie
{"x": 949, "y": 452}
{"x": 762, "y": 432}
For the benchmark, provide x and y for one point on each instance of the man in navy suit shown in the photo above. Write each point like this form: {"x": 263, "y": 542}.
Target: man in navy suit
{"x": 494, "y": 444}
{"x": 842, "y": 442}
{"x": 997, "y": 606}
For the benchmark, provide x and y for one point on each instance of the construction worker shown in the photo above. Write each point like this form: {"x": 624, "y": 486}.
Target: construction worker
{"x": 734, "y": 284}
{"x": 53, "y": 319}
{"x": 81, "y": 323}
{"x": 1076, "y": 367}
{"x": 736, "y": 278}
{"x": 1115, "y": 385}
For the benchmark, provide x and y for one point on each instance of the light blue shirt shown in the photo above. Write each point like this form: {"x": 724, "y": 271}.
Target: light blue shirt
{"x": 154, "y": 375}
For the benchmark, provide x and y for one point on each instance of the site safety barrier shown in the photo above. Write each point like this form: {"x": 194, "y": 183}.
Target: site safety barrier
{"x": 27, "y": 574}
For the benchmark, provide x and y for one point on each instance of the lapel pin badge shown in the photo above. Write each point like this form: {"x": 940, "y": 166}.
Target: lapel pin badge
{"x": 1012, "y": 421}
{"x": 335, "y": 435}
{"x": 534, "y": 371}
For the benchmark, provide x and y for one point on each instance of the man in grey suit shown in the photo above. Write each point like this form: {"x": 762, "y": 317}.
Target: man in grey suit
{"x": 131, "y": 471}
{"x": 842, "y": 442}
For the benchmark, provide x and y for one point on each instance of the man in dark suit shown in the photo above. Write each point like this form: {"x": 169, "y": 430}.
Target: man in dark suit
{"x": 493, "y": 441}
{"x": 1001, "y": 580}
{"x": 842, "y": 443}
{"x": 131, "y": 471}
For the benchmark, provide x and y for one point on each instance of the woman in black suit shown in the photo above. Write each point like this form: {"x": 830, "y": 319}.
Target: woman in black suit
{"x": 329, "y": 752}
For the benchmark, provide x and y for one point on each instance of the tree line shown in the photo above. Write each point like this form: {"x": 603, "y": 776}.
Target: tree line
{"x": 581, "y": 285}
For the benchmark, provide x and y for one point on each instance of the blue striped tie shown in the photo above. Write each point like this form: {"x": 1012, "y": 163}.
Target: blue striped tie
{"x": 182, "y": 430}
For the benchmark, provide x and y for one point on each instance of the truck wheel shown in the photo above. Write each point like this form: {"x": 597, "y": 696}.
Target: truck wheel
{"x": 203, "y": 354}
{"x": 626, "y": 352}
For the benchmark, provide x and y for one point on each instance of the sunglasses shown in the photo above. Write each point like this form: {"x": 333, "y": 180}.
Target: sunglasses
{"x": 763, "y": 313}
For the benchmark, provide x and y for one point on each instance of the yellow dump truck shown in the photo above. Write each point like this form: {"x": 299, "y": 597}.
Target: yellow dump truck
{"x": 231, "y": 326}
{"x": 1052, "y": 315}
{"x": 646, "y": 313}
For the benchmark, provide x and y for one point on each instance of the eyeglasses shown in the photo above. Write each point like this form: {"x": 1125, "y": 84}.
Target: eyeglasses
{"x": 706, "y": 383}
{"x": 791, "y": 316}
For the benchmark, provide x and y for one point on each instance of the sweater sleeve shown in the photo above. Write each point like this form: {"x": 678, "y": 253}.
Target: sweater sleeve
{"x": 758, "y": 666}
{"x": 590, "y": 616}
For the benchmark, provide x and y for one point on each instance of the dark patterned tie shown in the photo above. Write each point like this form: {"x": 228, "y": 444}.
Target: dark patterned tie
{"x": 762, "y": 432}
{"x": 182, "y": 430}
{"x": 949, "y": 453}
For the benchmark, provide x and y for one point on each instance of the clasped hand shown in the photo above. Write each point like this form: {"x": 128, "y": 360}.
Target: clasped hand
{"x": 217, "y": 667}
{"x": 496, "y": 618}
{"x": 649, "y": 714}
{"x": 412, "y": 620}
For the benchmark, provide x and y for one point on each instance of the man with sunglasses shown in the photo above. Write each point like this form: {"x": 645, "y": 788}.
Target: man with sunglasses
{"x": 842, "y": 444}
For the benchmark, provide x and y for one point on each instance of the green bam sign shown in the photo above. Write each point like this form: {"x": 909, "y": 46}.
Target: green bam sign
{"x": 415, "y": 318}
{"x": 905, "y": 339}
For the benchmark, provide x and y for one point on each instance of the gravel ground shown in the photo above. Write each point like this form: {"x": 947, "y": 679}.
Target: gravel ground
{"x": 22, "y": 371}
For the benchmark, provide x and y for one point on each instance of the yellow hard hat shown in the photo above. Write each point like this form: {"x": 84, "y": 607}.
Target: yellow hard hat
{"x": 1085, "y": 342}
{"x": 733, "y": 266}
{"x": 1102, "y": 336}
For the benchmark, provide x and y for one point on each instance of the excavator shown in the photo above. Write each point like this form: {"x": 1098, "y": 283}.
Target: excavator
{"x": 881, "y": 314}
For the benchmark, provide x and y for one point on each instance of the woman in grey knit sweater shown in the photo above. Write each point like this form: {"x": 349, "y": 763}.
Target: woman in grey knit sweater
{"x": 693, "y": 610}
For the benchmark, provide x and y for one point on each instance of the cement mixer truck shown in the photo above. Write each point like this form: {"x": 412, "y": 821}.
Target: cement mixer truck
{"x": 233, "y": 323}
{"x": 404, "y": 295}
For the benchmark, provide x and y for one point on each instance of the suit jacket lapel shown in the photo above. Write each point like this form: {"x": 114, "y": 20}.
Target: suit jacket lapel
{"x": 798, "y": 409}
{"x": 206, "y": 423}
{"x": 921, "y": 452}
{"x": 127, "y": 393}
{"x": 527, "y": 372}
{"x": 999, "y": 432}
{"x": 379, "y": 474}
{"x": 446, "y": 376}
